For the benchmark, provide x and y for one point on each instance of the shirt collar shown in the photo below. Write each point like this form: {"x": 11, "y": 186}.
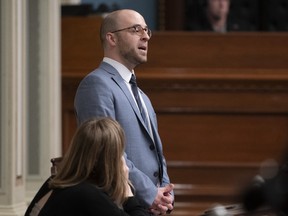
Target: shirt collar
{"x": 122, "y": 70}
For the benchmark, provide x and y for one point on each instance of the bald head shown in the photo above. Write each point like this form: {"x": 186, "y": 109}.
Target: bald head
{"x": 116, "y": 20}
{"x": 122, "y": 41}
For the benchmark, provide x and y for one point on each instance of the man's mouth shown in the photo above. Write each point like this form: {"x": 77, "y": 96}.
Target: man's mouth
{"x": 144, "y": 48}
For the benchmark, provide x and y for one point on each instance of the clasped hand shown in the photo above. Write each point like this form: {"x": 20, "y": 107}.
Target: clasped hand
{"x": 163, "y": 201}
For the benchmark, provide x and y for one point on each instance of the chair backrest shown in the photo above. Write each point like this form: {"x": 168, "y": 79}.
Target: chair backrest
{"x": 55, "y": 162}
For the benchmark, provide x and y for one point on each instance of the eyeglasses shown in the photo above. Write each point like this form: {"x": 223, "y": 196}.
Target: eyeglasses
{"x": 138, "y": 29}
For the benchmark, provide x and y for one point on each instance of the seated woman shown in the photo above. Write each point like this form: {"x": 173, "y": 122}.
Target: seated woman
{"x": 92, "y": 178}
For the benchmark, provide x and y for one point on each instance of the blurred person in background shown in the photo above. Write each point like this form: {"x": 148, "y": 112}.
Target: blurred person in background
{"x": 213, "y": 17}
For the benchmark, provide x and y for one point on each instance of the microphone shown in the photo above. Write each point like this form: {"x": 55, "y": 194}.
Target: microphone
{"x": 254, "y": 195}
{"x": 217, "y": 210}
{"x": 269, "y": 190}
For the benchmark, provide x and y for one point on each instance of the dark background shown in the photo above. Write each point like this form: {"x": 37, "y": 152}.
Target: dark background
{"x": 244, "y": 15}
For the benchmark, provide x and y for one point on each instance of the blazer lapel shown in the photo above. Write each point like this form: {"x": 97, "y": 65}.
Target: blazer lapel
{"x": 122, "y": 85}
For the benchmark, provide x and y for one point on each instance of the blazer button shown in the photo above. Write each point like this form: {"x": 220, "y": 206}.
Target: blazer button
{"x": 152, "y": 147}
{"x": 155, "y": 174}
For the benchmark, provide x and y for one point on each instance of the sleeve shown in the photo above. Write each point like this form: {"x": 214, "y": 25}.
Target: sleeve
{"x": 133, "y": 207}
{"x": 93, "y": 99}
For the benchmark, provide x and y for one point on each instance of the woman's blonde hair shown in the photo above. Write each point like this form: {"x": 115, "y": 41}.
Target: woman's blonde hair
{"x": 95, "y": 155}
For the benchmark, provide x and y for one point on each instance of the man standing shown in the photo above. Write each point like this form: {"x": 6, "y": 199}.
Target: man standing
{"x": 111, "y": 90}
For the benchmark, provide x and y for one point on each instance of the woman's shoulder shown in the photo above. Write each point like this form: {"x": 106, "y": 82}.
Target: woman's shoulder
{"x": 83, "y": 192}
{"x": 80, "y": 199}
{"x": 85, "y": 188}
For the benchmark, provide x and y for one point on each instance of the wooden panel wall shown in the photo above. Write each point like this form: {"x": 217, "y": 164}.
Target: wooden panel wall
{"x": 221, "y": 100}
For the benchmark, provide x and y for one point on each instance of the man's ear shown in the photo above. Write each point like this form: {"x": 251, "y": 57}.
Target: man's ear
{"x": 111, "y": 39}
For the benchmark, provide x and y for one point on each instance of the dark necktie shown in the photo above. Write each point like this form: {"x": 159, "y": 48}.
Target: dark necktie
{"x": 138, "y": 100}
{"x": 143, "y": 114}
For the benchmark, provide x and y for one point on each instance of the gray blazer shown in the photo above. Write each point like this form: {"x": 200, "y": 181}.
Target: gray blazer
{"x": 103, "y": 92}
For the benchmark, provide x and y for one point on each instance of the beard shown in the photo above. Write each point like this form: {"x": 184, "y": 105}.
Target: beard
{"x": 130, "y": 54}
{"x": 133, "y": 57}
